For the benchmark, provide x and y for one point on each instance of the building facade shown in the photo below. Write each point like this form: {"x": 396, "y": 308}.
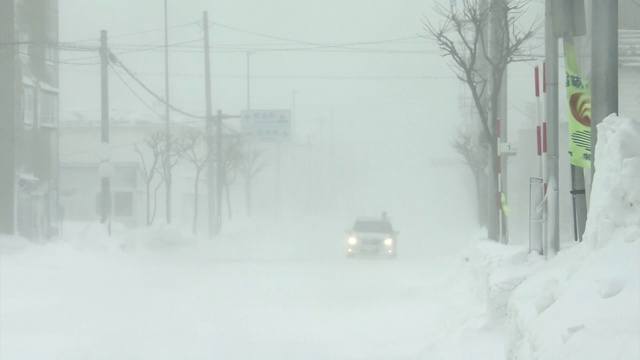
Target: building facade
{"x": 29, "y": 118}
{"x": 131, "y": 159}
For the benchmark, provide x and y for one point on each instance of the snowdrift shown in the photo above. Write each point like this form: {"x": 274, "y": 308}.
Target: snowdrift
{"x": 585, "y": 303}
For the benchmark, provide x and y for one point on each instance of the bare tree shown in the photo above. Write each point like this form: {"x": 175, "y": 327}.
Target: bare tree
{"x": 462, "y": 36}
{"x": 150, "y": 168}
{"x": 196, "y": 150}
{"x": 474, "y": 155}
{"x": 170, "y": 156}
{"x": 231, "y": 163}
{"x": 250, "y": 165}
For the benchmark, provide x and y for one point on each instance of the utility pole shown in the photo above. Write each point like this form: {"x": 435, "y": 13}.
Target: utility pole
{"x": 604, "y": 66}
{"x": 219, "y": 170}
{"x": 209, "y": 126}
{"x": 551, "y": 98}
{"x": 499, "y": 41}
{"x": 485, "y": 70}
{"x": 167, "y": 165}
{"x": 248, "y": 80}
{"x": 104, "y": 165}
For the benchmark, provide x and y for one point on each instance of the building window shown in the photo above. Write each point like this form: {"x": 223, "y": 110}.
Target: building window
{"x": 123, "y": 204}
{"x": 29, "y": 105}
{"x": 48, "y": 106}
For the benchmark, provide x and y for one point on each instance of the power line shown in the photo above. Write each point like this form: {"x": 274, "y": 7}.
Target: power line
{"x": 115, "y": 60}
{"x": 143, "y": 48}
{"x": 316, "y": 45}
{"x": 134, "y": 92}
{"x": 349, "y": 47}
{"x": 139, "y": 32}
{"x": 62, "y": 62}
{"x": 313, "y": 43}
{"x": 306, "y": 77}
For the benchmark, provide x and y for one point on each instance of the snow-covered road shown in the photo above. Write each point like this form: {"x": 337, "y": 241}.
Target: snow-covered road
{"x": 59, "y": 302}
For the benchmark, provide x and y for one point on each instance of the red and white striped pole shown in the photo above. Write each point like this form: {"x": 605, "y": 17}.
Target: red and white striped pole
{"x": 542, "y": 149}
{"x": 536, "y": 73}
{"x": 544, "y": 131}
{"x": 541, "y": 128}
{"x": 499, "y": 167}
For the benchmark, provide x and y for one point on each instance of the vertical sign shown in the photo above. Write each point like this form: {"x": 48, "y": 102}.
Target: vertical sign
{"x": 579, "y": 99}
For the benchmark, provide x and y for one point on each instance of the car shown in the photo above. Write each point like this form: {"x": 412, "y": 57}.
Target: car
{"x": 372, "y": 236}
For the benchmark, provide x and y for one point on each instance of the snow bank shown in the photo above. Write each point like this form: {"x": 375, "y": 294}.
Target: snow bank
{"x": 585, "y": 303}
{"x": 498, "y": 270}
{"x": 10, "y": 244}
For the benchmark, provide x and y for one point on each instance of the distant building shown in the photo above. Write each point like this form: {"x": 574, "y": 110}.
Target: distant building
{"x": 80, "y": 187}
{"x": 80, "y": 191}
{"x": 29, "y": 118}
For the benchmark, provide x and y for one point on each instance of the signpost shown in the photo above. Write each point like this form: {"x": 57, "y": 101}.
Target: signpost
{"x": 267, "y": 126}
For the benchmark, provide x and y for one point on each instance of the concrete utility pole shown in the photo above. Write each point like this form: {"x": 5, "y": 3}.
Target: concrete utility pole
{"x": 106, "y": 184}
{"x": 211, "y": 189}
{"x": 485, "y": 70}
{"x": 551, "y": 98}
{"x": 167, "y": 165}
{"x": 219, "y": 170}
{"x": 499, "y": 41}
{"x": 604, "y": 66}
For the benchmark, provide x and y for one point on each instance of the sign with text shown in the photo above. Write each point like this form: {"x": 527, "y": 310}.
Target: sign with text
{"x": 266, "y": 125}
{"x": 579, "y": 97}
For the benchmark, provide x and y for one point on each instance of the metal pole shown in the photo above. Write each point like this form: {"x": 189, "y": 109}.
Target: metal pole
{"x": 553, "y": 209}
{"x": 499, "y": 165}
{"x": 211, "y": 205}
{"x": 536, "y": 217}
{"x": 604, "y": 66}
{"x": 249, "y": 145}
{"x": 219, "y": 171}
{"x": 293, "y": 117}
{"x": 278, "y": 181}
{"x": 105, "y": 183}
{"x": 248, "y": 80}
{"x": 167, "y": 168}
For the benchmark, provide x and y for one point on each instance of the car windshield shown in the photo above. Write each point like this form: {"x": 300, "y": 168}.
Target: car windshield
{"x": 372, "y": 226}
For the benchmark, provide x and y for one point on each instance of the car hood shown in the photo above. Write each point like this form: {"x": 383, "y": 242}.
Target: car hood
{"x": 370, "y": 234}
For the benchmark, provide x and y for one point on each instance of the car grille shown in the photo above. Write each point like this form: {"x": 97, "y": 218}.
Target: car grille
{"x": 372, "y": 242}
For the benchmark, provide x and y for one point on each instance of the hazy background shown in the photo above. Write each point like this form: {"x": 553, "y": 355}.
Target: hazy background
{"x": 378, "y": 117}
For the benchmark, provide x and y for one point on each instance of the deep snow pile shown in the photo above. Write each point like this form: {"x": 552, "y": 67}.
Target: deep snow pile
{"x": 585, "y": 303}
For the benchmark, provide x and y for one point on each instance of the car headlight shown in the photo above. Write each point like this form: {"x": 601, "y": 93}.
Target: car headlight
{"x": 388, "y": 241}
{"x": 352, "y": 240}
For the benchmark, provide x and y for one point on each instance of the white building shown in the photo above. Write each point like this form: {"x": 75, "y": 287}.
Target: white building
{"x": 80, "y": 178}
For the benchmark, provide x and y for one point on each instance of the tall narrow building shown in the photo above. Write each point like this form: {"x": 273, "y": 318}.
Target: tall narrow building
{"x": 29, "y": 118}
